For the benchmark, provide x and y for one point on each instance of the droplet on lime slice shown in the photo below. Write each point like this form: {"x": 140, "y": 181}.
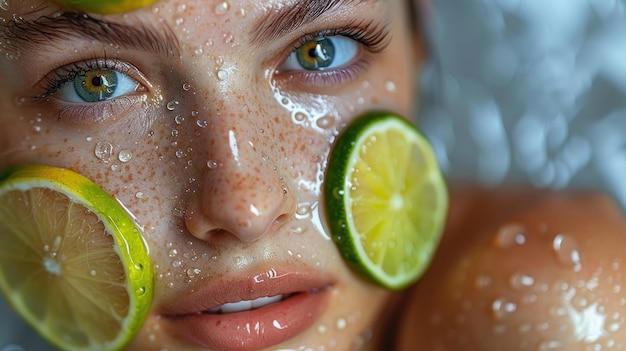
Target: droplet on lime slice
{"x": 73, "y": 263}
{"x": 106, "y": 6}
{"x": 386, "y": 199}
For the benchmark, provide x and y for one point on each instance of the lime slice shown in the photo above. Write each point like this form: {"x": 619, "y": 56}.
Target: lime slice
{"x": 72, "y": 262}
{"x": 107, "y": 6}
{"x": 386, "y": 199}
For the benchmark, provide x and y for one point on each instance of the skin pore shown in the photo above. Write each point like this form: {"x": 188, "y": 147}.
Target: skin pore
{"x": 216, "y": 140}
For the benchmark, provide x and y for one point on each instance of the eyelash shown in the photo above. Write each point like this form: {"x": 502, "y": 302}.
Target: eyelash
{"x": 373, "y": 38}
{"x": 98, "y": 112}
{"x": 62, "y": 75}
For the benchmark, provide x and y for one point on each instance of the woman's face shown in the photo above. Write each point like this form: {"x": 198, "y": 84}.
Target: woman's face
{"x": 211, "y": 122}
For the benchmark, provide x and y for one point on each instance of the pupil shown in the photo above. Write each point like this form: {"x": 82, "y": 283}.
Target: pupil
{"x": 317, "y": 54}
{"x": 97, "y": 81}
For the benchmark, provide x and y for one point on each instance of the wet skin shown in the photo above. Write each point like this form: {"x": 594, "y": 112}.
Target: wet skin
{"x": 218, "y": 150}
{"x": 222, "y": 151}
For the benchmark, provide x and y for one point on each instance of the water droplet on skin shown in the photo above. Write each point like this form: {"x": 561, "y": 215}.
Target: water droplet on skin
{"x": 172, "y": 253}
{"x": 519, "y": 281}
{"x": 303, "y": 211}
{"x": 88, "y": 139}
{"x": 222, "y": 8}
{"x": 202, "y": 124}
{"x": 179, "y": 120}
{"x": 115, "y": 167}
{"x": 222, "y": 74}
{"x": 186, "y": 87}
{"x": 4, "y": 5}
{"x": 300, "y": 116}
{"x": 502, "y": 308}
{"x": 192, "y": 272}
{"x": 325, "y": 122}
{"x": 139, "y": 195}
{"x": 175, "y": 133}
{"x": 180, "y": 153}
{"x": 567, "y": 251}
{"x": 36, "y": 129}
{"x": 510, "y": 235}
{"x": 170, "y": 284}
{"x": 198, "y": 52}
{"x": 103, "y": 151}
{"x": 341, "y": 323}
{"x": 297, "y": 230}
{"x": 390, "y": 86}
{"x": 125, "y": 156}
{"x": 212, "y": 164}
{"x": 177, "y": 264}
{"x": 93, "y": 273}
{"x": 171, "y": 106}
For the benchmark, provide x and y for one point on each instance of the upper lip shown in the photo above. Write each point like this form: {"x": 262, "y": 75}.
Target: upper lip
{"x": 277, "y": 279}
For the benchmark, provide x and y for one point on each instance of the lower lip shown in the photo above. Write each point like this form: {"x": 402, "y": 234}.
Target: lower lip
{"x": 255, "y": 329}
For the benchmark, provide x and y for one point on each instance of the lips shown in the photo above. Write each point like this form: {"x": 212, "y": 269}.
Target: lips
{"x": 249, "y": 312}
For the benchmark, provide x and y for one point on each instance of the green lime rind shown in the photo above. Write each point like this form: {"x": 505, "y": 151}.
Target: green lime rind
{"x": 106, "y": 6}
{"x": 337, "y": 199}
{"x": 132, "y": 248}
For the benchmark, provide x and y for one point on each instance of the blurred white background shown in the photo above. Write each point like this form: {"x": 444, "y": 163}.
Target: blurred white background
{"x": 529, "y": 91}
{"x": 516, "y": 91}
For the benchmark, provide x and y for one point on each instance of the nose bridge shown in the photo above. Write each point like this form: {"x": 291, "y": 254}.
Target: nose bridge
{"x": 241, "y": 191}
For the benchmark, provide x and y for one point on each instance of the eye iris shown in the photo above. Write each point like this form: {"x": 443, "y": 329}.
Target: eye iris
{"x": 95, "y": 85}
{"x": 316, "y": 54}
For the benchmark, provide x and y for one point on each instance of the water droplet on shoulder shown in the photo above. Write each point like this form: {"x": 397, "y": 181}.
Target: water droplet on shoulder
{"x": 567, "y": 251}
{"x": 510, "y": 235}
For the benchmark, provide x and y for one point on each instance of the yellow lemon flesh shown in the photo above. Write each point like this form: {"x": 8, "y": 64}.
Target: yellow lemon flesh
{"x": 106, "y": 6}
{"x": 72, "y": 262}
{"x": 386, "y": 199}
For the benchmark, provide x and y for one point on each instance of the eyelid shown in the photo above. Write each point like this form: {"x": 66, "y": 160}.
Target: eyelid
{"x": 374, "y": 37}
{"x": 95, "y": 112}
{"x": 55, "y": 80}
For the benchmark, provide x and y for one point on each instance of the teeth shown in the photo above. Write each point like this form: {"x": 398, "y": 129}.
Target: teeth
{"x": 245, "y": 305}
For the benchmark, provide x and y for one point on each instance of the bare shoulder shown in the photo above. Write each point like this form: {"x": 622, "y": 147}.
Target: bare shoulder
{"x": 522, "y": 269}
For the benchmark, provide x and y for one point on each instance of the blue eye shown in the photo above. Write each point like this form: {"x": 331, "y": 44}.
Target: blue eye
{"x": 95, "y": 85}
{"x": 322, "y": 53}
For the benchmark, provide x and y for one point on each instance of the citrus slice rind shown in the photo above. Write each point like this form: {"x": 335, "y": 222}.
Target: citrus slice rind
{"x": 386, "y": 199}
{"x": 106, "y": 6}
{"x": 73, "y": 263}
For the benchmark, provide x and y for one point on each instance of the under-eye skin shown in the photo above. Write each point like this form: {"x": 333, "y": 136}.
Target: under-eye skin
{"x": 333, "y": 57}
{"x": 94, "y": 90}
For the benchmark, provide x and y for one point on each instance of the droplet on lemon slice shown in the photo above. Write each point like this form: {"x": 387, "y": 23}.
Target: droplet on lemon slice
{"x": 107, "y": 6}
{"x": 73, "y": 263}
{"x": 386, "y": 199}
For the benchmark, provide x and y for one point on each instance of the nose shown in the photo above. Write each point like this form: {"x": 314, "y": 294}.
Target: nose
{"x": 241, "y": 192}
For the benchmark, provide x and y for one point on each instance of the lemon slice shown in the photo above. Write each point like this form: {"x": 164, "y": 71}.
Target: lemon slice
{"x": 107, "y": 6}
{"x": 386, "y": 199}
{"x": 72, "y": 262}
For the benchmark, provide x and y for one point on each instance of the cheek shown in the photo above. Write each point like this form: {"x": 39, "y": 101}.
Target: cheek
{"x": 544, "y": 276}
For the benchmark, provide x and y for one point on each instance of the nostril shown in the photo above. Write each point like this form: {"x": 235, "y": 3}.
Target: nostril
{"x": 282, "y": 218}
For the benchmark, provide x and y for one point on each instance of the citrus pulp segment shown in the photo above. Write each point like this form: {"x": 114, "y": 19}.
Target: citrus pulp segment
{"x": 107, "y": 6}
{"x": 386, "y": 199}
{"x": 73, "y": 263}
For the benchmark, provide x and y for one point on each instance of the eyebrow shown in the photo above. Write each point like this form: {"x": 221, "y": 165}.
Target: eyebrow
{"x": 21, "y": 34}
{"x": 287, "y": 19}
